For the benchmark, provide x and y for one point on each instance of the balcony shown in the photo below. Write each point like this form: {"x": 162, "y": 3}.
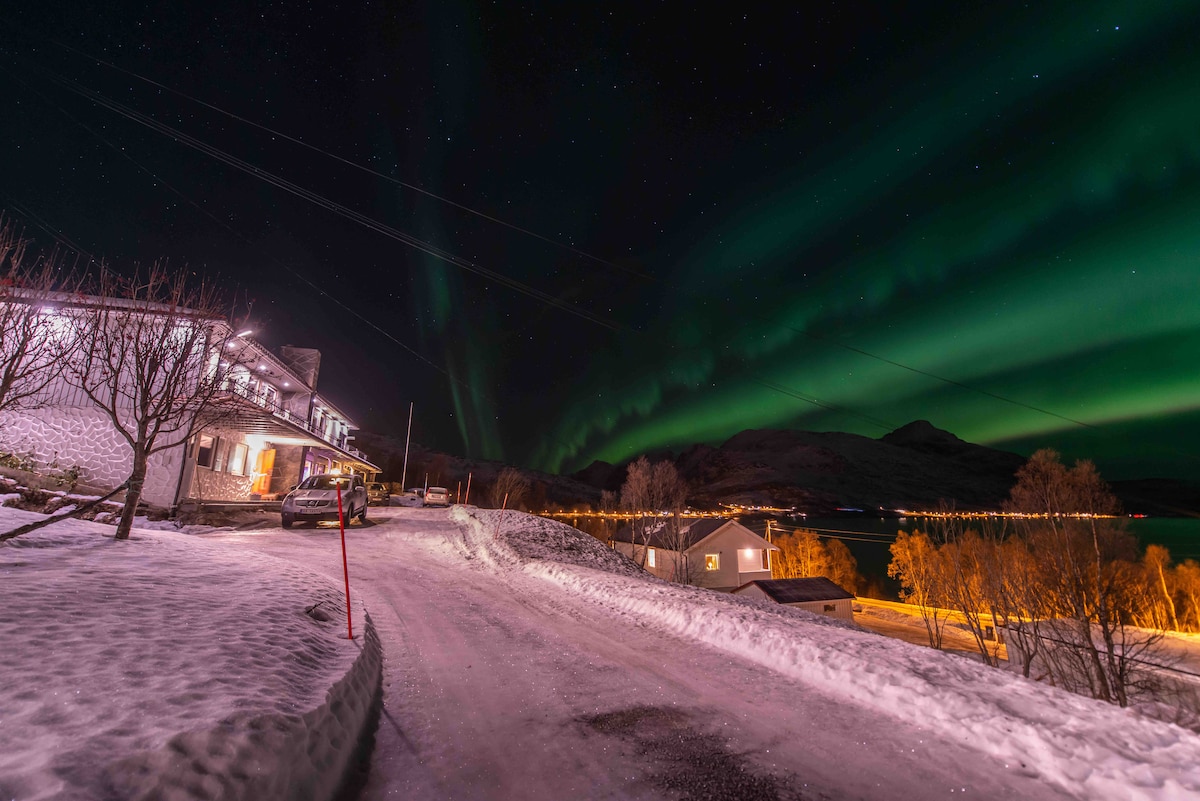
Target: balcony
{"x": 256, "y": 423}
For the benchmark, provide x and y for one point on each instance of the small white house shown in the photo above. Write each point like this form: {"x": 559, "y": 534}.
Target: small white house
{"x": 714, "y": 553}
{"x": 815, "y": 594}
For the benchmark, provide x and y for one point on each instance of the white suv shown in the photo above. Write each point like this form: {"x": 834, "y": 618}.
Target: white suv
{"x": 316, "y": 499}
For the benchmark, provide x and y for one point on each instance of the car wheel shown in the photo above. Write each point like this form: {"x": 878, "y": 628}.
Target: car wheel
{"x": 362, "y": 516}
{"x": 287, "y": 521}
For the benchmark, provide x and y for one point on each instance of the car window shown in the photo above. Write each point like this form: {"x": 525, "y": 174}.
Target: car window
{"x": 327, "y": 481}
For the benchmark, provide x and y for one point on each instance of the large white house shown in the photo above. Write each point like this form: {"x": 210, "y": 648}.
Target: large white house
{"x": 708, "y": 552}
{"x": 275, "y": 429}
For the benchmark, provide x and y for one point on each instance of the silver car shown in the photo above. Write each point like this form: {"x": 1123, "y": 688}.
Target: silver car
{"x": 315, "y": 499}
{"x": 437, "y": 496}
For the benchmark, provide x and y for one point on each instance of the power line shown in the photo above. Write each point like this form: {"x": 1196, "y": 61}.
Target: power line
{"x": 64, "y": 239}
{"x": 360, "y": 167}
{"x": 328, "y": 204}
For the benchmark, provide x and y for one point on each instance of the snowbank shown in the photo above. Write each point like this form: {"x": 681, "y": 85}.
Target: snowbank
{"x": 167, "y": 667}
{"x": 1088, "y": 748}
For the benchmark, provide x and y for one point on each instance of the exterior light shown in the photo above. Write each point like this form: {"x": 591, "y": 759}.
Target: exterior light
{"x": 246, "y": 333}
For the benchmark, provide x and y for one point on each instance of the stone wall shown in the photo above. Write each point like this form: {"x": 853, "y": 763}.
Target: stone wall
{"x": 86, "y": 438}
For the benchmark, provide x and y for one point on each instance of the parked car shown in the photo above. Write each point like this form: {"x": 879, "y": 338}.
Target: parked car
{"x": 437, "y": 496}
{"x": 315, "y": 499}
{"x": 378, "y": 492}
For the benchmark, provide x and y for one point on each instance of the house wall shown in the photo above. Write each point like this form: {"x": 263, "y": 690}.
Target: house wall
{"x": 216, "y": 482}
{"x": 725, "y": 577}
{"x": 842, "y": 609}
{"x": 729, "y": 542}
{"x": 753, "y": 591}
{"x": 634, "y": 552}
{"x": 86, "y": 437}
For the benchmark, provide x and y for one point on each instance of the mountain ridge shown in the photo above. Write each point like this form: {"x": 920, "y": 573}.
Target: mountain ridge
{"x": 917, "y": 467}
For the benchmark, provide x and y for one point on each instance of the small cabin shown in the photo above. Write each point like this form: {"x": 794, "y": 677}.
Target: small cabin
{"x": 815, "y": 594}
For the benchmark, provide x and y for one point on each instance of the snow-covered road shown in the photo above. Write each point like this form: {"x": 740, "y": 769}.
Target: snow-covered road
{"x": 499, "y": 684}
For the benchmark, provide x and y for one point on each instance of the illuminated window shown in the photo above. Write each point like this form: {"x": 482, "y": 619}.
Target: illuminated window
{"x": 650, "y": 557}
{"x": 237, "y": 461}
{"x": 712, "y": 561}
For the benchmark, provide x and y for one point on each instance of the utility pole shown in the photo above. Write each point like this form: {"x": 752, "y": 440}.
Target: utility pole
{"x": 404, "y": 472}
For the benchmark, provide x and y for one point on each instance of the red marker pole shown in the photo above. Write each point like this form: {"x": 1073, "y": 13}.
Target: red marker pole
{"x": 345, "y": 566}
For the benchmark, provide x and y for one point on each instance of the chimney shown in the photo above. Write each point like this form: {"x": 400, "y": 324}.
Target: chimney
{"x": 305, "y": 362}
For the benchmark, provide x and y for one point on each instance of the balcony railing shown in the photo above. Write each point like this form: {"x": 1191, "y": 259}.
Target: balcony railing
{"x": 271, "y": 405}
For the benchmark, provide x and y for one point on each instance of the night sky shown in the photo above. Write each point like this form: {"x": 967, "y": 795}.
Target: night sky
{"x": 570, "y": 232}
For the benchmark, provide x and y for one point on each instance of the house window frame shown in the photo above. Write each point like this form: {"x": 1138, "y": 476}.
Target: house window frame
{"x": 206, "y": 455}
{"x": 651, "y": 560}
{"x": 766, "y": 558}
{"x": 220, "y": 462}
{"x": 239, "y": 453}
{"x": 712, "y": 562}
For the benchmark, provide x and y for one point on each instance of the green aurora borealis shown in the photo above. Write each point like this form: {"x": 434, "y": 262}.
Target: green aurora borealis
{"x": 1010, "y": 249}
{"x": 670, "y": 226}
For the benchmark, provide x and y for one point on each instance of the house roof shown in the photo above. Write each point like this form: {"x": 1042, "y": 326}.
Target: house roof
{"x": 692, "y": 534}
{"x": 799, "y": 590}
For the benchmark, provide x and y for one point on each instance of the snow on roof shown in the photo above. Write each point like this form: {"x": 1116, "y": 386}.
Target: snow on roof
{"x": 799, "y": 590}
{"x": 692, "y": 533}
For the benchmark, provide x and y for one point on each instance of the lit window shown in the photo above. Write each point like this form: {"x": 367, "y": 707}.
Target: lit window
{"x": 712, "y": 561}
{"x": 650, "y": 557}
{"x": 237, "y": 461}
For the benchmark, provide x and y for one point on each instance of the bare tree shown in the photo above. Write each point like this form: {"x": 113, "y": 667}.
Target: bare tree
{"x": 636, "y": 498}
{"x": 650, "y": 491}
{"x": 800, "y": 554}
{"x": 803, "y": 553}
{"x": 917, "y": 565}
{"x": 151, "y": 357}
{"x": 31, "y": 338}
{"x": 967, "y": 558}
{"x": 510, "y": 488}
{"x": 1162, "y": 598}
{"x": 1087, "y": 557}
{"x": 841, "y": 567}
{"x": 1187, "y": 579}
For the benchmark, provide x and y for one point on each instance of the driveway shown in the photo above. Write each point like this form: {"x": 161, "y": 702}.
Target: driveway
{"x": 499, "y": 686}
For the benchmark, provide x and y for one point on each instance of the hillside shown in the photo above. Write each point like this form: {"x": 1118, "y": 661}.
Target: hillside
{"x": 915, "y": 467}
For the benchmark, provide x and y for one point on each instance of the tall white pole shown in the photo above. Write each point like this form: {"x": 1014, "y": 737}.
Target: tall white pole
{"x": 404, "y": 473}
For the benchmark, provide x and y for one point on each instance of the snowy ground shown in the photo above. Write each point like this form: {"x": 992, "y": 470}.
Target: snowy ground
{"x": 112, "y": 651}
{"x": 524, "y": 660}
